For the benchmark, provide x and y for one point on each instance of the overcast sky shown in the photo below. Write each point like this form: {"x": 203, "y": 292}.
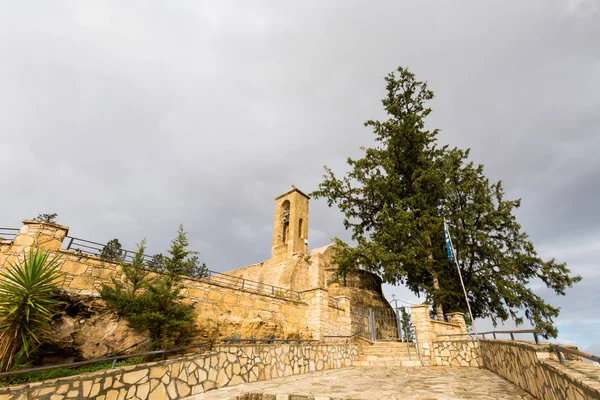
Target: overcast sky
{"x": 127, "y": 118}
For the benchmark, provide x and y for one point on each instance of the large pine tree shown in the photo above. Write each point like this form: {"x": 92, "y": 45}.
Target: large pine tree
{"x": 394, "y": 200}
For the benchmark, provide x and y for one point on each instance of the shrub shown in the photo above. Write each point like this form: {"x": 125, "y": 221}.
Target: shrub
{"x": 112, "y": 250}
{"x": 153, "y": 306}
{"x": 46, "y": 218}
{"x": 27, "y": 304}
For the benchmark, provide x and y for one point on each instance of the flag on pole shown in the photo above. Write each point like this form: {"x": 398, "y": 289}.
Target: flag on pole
{"x": 448, "y": 245}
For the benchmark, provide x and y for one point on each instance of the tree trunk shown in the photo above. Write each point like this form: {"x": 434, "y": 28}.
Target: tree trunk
{"x": 439, "y": 309}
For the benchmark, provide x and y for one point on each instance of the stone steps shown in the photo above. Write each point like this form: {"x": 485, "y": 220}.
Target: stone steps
{"x": 390, "y": 363}
{"x": 374, "y": 357}
{"x": 388, "y": 354}
{"x": 384, "y": 351}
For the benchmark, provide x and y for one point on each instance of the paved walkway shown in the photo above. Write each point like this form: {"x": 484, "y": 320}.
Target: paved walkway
{"x": 384, "y": 383}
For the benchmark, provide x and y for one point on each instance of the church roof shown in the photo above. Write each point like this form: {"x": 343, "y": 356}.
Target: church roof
{"x": 294, "y": 189}
{"x": 320, "y": 250}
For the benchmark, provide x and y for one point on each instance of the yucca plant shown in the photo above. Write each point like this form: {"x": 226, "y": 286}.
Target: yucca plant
{"x": 27, "y": 304}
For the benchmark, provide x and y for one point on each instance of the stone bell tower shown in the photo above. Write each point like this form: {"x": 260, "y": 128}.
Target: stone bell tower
{"x": 290, "y": 229}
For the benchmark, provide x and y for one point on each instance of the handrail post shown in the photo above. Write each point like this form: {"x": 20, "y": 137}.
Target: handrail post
{"x": 417, "y": 345}
{"x": 561, "y": 359}
{"x": 512, "y": 336}
{"x": 536, "y": 338}
{"x": 494, "y": 334}
{"x": 70, "y": 243}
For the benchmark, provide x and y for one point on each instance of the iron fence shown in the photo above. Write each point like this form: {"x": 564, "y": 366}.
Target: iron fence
{"x": 234, "y": 282}
{"x": 381, "y": 324}
{"x": 95, "y": 249}
{"x": 252, "y": 286}
{"x": 114, "y": 360}
{"x": 8, "y": 233}
{"x": 361, "y": 322}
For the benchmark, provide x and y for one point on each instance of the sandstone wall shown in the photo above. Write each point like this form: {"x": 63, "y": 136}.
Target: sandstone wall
{"x": 292, "y": 273}
{"x": 440, "y": 328}
{"x": 456, "y": 353}
{"x": 178, "y": 378}
{"x": 533, "y": 368}
{"x": 429, "y": 331}
{"x": 221, "y": 310}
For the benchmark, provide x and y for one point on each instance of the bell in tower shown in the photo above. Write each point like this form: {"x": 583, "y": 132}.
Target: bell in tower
{"x": 290, "y": 229}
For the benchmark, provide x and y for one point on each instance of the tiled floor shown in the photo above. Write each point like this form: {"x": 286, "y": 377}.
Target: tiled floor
{"x": 384, "y": 383}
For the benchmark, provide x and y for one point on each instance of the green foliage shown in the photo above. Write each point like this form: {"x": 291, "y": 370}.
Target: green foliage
{"x": 181, "y": 260}
{"x": 394, "y": 200}
{"x": 27, "y": 304}
{"x": 153, "y": 306}
{"x": 406, "y": 323}
{"x": 46, "y": 218}
{"x": 63, "y": 372}
{"x": 123, "y": 296}
{"x": 157, "y": 263}
{"x": 195, "y": 269}
{"x": 112, "y": 250}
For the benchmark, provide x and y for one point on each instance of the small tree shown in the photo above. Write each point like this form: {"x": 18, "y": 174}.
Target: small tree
{"x": 46, "y": 218}
{"x": 122, "y": 296}
{"x": 112, "y": 250}
{"x": 153, "y": 306}
{"x": 157, "y": 263}
{"x": 27, "y": 304}
{"x": 178, "y": 263}
{"x": 195, "y": 269}
{"x": 406, "y": 323}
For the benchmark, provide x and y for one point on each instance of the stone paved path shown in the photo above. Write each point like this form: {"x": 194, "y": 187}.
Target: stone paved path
{"x": 384, "y": 383}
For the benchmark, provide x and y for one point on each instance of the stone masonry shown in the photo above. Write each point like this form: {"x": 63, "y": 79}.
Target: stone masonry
{"x": 176, "y": 379}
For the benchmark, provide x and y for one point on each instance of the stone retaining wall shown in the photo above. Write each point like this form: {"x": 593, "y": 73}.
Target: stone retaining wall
{"x": 535, "y": 369}
{"x": 456, "y": 353}
{"x": 430, "y": 331}
{"x": 178, "y": 378}
{"x": 221, "y": 311}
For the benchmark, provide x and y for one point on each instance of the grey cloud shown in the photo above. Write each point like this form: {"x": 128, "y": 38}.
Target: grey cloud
{"x": 129, "y": 119}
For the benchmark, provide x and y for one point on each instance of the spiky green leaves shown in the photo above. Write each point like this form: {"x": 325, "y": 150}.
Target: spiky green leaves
{"x": 27, "y": 304}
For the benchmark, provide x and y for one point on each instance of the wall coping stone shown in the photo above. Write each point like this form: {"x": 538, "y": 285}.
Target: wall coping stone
{"x": 52, "y": 224}
{"x": 445, "y": 323}
{"x": 521, "y": 343}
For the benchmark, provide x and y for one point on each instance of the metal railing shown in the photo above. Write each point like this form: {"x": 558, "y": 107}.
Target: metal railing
{"x": 8, "y": 233}
{"x": 89, "y": 247}
{"x": 95, "y": 249}
{"x": 101, "y": 360}
{"x": 268, "y": 341}
{"x": 535, "y": 332}
{"x": 248, "y": 285}
{"x": 559, "y": 350}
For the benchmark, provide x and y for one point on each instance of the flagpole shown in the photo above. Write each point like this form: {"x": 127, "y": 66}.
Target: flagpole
{"x": 464, "y": 289}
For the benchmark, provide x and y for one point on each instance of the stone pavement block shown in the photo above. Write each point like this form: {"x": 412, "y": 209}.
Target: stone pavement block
{"x": 361, "y": 383}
